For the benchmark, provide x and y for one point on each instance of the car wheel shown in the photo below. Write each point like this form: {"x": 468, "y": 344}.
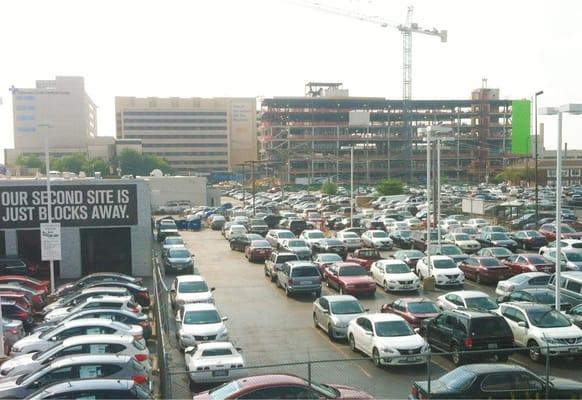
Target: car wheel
{"x": 353, "y": 344}
{"x": 231, "y": 246}
{"x": 266, "y": 273}
{"x": 279, "y": 284}
{"x": 315, "y": 321}
{"x": 478, "y": 278}
{"x": 376, "y": 358}
{"x": 456, "y": 357}
{"x": 330, "y": 333}
{"x": 534, "y": 351}
{"x": 287, "y": 293}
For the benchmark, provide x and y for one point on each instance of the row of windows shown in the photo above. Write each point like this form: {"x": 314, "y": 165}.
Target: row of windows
{"x": 192, "y": 136}
{"x": 565, "y": 172}
{"x": 175, "y": 121}
{"x": 200, "y": 162}
{"x": 154, "y": 145}
{"x": 175, "y": 128}
{"x": 24, "y": 107}
{"x": 26, "y": 130}
{"x": 24, "y": 97}
{"x": 25, "y": 117}
{"x": 189, "y": 153}
{"x": 178, "y": 113}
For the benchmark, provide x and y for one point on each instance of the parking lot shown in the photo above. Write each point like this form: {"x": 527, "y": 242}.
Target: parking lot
{"x": 273, "y": 329}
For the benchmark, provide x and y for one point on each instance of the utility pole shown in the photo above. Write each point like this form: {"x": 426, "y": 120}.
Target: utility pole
{"x": 536, "y": 148}
{"x": 352, "y": 187}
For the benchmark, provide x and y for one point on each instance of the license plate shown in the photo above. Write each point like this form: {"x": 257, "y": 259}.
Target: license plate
{"x": 492, "y": 346}
{"x": 573, "y": 350}
{"x": 304, "y": 282}
{"x": 411, "y": 359}
{"x": 406, "y": 286}
{"x": 454, "y": 281}
{"x": 220, "y": 373}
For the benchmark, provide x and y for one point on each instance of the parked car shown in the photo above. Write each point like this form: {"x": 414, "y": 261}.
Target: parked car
{"x": 324, "y": 260}
{"x": 166, "y": 227}
{"x": 467, "y": 299}
{"x": 16, "y": 265}
{"x": 484, "y": 269}
{"x": 14, "y": 311}
{"x": 72, "y": 367}
{"x": 297, "y": 246}
{"x": 107, "y": 388}
{"x": 394, "y": 275}
{"x": 258, "y": 226}
{"x": 275, "y": 261}
{"x": 443, "y": 269}
{"x": 476, "y": 223}
{"x": 413, "y": 309}
{"x": 332, "y": 245}
{"x": 90, "y": 279}
{"x": 450, "y": 250}
{"x": 351, "y": 240}
{"x": 82, "y": 295}
{"x": 376, "y": 240}
{"x": 40, "y": 341}
{"x": 522, "y": 281}
{"x": 270, "y": 386}
{"x": 536, "y": 295}
{"x": 549, "y": 231}
{"x": 501, "y": 253}
{"x": 235, "y": 230}
{"x": 274, "y": 236}
{"x": 199, "y": 323}
{"x": 565, "y": 244}
{"x": 349, "y": 278}
{"x": 460, "y": 332}
{"x": 86, "y": 344}
{"x": 401, "y": 238}
{"x": 334, "y": 313}
{"x": 179, "y": 261}
{"x": 520, "y": 263}
{"x": 99, "y": 301}
{"x": 574, "y": 314}
{"x": 213, "y": 362}
{"x": 489, "y": 381}
{"x": 26, "y": 281}
{"x": 312, "y": 237}
{"x": 172, "y": 242}
{"x": 188, "y": 289}
{"x": 258, "y": 250}
{"x": 364, "y": 257}
{"x": 537, "y": 327}
{"x": 388, "y": 339}
{"x": 36, "y": 298}
{"x": 299, "y": 277}
{"x": 410, "y": 257}
{"x": 497, "y": 239}
{"x": 463, "y": 241}
{"x": 217, "y": 222}
{"x": 529, "y": 239}
{"x": 570, "y": 286}
{"x": 240, "y": 242}
{"x": 140, "y": 293}
{"x": 570, "y": 260}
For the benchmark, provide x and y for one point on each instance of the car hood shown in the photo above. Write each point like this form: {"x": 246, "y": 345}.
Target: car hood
{"x": 408, "y": 276}
{"x": 300, "y": 249}
{"x": 8, "y": 383}
{"x": 18, "y": 361}
{"x": 56, "y": 314}
{"x": 172, "y": 246}
{"x": 202, "y": 330}
{"x": 567, "y": 332}
{"x": 54, "y": 305}
{"x": 193, "y": 363}
{"x": 426, "y": 315}
{"x": 504, "y": 241}
{"x": 466, "y": 242}
{"x": 380, "y": 239}
{"x": 350, "y": 280}
{"x": 28, "y": 340}
{"x": 345, "y": 319}
{"x": 401, "y": 342}
{"x": 565, "y": 384}
{"x": 446, "y": 271}
{"x": 179, "y": 260}
{"x": 348, "y": 392}
{"x": 192, "y": 297}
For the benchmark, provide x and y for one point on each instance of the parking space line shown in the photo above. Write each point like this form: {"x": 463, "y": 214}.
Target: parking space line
{"x": 341, "y": 350}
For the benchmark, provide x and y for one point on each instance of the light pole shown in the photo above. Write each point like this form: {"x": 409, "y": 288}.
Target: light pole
{"x": 570, "y": 109}
{"x": 351, "y": 186}
{"x": 536, "y": 148}
{"x": 48, "y": 192}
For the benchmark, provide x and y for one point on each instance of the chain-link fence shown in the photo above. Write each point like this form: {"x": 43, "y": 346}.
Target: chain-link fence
{"x": 162, "y": 330}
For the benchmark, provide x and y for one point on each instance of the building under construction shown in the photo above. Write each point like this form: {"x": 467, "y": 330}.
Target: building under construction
{"x": 309, "y": 139}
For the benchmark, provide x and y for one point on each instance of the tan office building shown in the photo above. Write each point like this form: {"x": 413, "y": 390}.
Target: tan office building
{"x": 195, "y": 135}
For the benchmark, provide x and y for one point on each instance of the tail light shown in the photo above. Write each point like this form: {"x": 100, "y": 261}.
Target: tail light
{"x": 134, "y": 309}
{"x": 138, "y": 336}
{"x": 144, "y": 323}
{"x": 290, "y": 281}
{"x": 22, "y": 315}
{"x": 140, "y": 379}
{"x": 141, "y": 357}
{"x": 14, "y": 331}
{"x": 469, "y": 342}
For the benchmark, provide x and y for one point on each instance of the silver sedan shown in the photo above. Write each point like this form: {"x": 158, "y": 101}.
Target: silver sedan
{"x": 334, "y": 313}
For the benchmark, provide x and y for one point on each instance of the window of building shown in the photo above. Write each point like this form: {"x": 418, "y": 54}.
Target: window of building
{"x": 575, "y": 172}
{"x": 25, "y": 117}
{"x": 552, "y": 173}
{"x": 26, "y": 129}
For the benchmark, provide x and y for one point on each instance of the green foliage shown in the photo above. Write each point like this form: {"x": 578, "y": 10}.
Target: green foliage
{"x": 516, "y": 174}
{"x": 133, "y": 163}
{"x": 30, "y": 161}
{"x": 70, "y": 163}
{"x": 390, "y": 187}
{"x": 329, "y": 188}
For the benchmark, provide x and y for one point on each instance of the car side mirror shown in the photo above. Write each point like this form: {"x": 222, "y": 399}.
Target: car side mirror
{"x": 54, "y": 339}
{"x": 212, "y": 289}
{"x": 369, "y": 333}
{"x": 178, "y": 320}
{"x": 172, "y": 290}
{"x": 326, "y": 311}
{"x": 366, "y": 309}
{"x": 523, "y": 324}
{"x": 224, "y": 318}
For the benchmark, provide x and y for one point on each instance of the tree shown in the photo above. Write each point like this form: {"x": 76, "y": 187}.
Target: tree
{"x": 329, "y": 188}
{"x": 30, "y": 161}
{"x": 133, "y": 163}
{"x": 516, "y": 174}
{"x": 390, "y": 187}
{"x": 97, "y": 165}
{"x": 70, "y": 163}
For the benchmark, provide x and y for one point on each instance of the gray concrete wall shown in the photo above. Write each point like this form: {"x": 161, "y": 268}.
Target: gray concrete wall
{"x": 70, "y": 266}
{"x": 11, "y": 241}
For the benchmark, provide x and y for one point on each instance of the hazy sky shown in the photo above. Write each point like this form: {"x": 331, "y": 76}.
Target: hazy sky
{"x": 268, "y": 48}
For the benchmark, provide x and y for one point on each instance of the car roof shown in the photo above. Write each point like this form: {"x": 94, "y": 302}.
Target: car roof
{"x": 97, "y": 338}
{"x": 339, "y": 297}
{"x": 86, "y": 384}
{"x": 409, "y": 300}
{"x": 261, "y": 380}
{"x": 88, "y": 321}
{"x": 492, "y": 367}
{"x": 474, "y": 313}
{"x": 299, "y": 263}
{"x": 120, "y": 299}
{"x": 342, "y": 264}
{"x": 103, "y": 289}
{"x": 380, "y": 317}
{"x": 85, "y": 358}
{"x": 468, "y": 294}
{"x": 215, "y": 345}
{"x": 198, "y": 307}
{"x": 190, "y": 278}
{"x": 391, "y": 262}
{"x": 572, "y": 274}
{"x": 441, "y": 258}
{"x": 529, "y": 306}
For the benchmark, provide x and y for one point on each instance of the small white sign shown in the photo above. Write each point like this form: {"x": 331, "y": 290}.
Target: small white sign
{"x": 50, "y": 241}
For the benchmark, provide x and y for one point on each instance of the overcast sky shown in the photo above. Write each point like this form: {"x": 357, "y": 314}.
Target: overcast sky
{"x": 251, "y": 48}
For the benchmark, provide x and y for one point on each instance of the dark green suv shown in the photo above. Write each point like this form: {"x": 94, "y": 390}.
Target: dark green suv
{"x": 462, "y": 331}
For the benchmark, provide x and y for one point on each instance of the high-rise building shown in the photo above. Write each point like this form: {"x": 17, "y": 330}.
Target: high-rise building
{"x": 195, "y": 135}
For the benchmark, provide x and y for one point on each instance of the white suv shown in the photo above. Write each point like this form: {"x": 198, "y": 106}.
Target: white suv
{"x": 190, "y": 289}
{"x": 443, "y": 269}
{"x": 199, "y": 323}
{"x": 538, "y": 326}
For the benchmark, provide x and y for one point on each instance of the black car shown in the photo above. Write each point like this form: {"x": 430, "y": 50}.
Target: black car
{"x": 495, "y": 381}
{"x": 528, "y": 221}
{"x": 375, "y": 226}
{"x": 14, "y": 265}
{"x": 401, "y": 239}
{"x": 294, "y": 225}
{"x": 240, "y": 242}
{"x": 497, "y": 239}
{"x": 450, "y": 250}
{"x": 538, "y": 295}
{"x": 258, "y": 226}
{"x": 462, "y": 331}
{"x": 530, "y": 239}
{"x": 419, "y": 239}
{"x": 335, "y": 223}
{"x": 333, "y": 246}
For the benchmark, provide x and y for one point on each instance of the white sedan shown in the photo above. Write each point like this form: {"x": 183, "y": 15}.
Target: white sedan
{"x": 198, "y": 323}
{"x": 394, "y": 275}
{"x": 350, "y": 239}
{"x": 470, "y": 299}
{"x": 377, "y": 239}
{"x": 463, "y": 241}
{"x": 388, "y": 339}
{"x": 565, "y": 244}
{"x": 443, "y": 269}
{"x": 214, "y": 362}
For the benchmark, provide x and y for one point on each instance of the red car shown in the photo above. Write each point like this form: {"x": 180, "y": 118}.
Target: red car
{"x": 18, "y": 298}
{"x": 281, "y": 386}
{"x": 349, "y": 278}
{"x": 519, "y": 263}
{"x": 258, "y": 250}
{"x": 27, "y": 281}
{"x": 484, "y": 269}
{"x": 412, "y": 309}
{"x": 549, "y": 231}
{"x": 35, "y": 297}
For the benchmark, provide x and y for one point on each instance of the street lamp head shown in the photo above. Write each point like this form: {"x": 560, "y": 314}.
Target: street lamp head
{"x": 539, "y": 93}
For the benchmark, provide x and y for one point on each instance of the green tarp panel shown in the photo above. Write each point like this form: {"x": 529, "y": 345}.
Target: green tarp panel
{"x": 520, "y": 127}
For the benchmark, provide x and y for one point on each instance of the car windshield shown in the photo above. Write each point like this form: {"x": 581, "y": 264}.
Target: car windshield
{"x": 316, "y": 235}
{"x": 393, "y": 328}
{"x": 201, "y": 317}
{"x": 179, "y": 253}
{"x": 258, "y": 222}
{"x": 404, "y": 234}
{"x": 368, "y": 253}
{"x": 168, "y": 225}
{"x": 282, "y": 258}
{"x": 567, "y": 229}
{"x": 326, "y": 391}
{"x": 334, "y": 242}
{"x": 470, "y": 231}
{"x": 537, "y": 260}
{"x": 352, "y": 271}
{"x": 263, "y": 244}
{"x": 224, "y": 391}
{"x": 193, "y": 287}
{"x": 346, "y": 307}
{"x": 330, "y": 257}
{"x": 490, "y": 262}
{"x": 544, "y": 318}
{"x": 286, "y": 235}
{"x": 296, "y": 243}
{"x": 413, "y": 254}
{"x": 450, "y": 250}
{"x": 534, "y": 234}
{"x": 458, "y": 379}
{"x": 443, "y": 263}
{"x": 397, "y": 269}
{"x": 483, "y": 303}
{"x": 304, "y": 272}
{"x": 174, "y": 240}
{"x": 379, "y": 234}
{"x": 423, "y": 307}
{"x": 462, "y": 236}
{"x": 544, "y": 297}
{"x": 499, "y": 236}
{"x": 573, "y": 256}
{"x": 351, "y": 235}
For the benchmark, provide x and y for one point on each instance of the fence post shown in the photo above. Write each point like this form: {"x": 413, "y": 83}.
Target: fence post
{"x": 547, "y": 370}
{"x": 428, "y": 374}
{"x": 309, "y": 372}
